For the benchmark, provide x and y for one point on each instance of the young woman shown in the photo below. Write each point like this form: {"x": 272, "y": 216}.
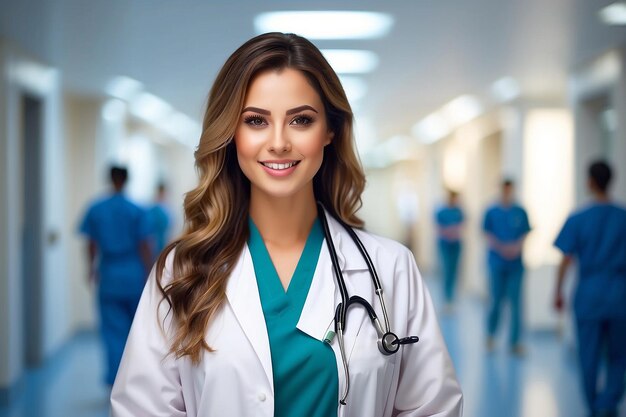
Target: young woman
{"x": 240, "y": 313}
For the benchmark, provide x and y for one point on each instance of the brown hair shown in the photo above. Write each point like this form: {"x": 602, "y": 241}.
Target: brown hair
{"x": 216, "y": 210}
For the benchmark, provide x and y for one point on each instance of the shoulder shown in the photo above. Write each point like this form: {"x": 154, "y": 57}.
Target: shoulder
{"x": 132, "y": 205}
{"x": 620, "y": 208}
{"x": 99, "y": 203}
{"x": 385, "y": 248}
{"x": 167, "y": 272}
{"x": 491, "y": 209}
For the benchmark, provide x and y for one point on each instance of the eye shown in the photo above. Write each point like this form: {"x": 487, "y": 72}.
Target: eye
{"x": 301, "y": 120}
{"x": 255, "y": 120}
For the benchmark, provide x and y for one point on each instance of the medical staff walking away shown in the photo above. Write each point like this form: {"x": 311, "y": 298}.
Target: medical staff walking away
{"x": 506, "y": 226}
{"x": 449, "y": 219}
{"x": 271, "y": 302}
{"x": 595, "y": 237}
{"x": 119, "y": 259}
{"x": 160, "y": 219}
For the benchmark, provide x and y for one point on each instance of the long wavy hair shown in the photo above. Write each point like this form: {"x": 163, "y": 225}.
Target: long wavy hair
{"x": 216, "y": 210}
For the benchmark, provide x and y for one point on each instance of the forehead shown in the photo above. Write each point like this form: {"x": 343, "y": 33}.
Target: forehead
{"x": 287, "y": 88}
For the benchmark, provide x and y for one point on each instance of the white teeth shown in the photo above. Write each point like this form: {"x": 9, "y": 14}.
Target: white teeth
{"x": 279, "y": 167}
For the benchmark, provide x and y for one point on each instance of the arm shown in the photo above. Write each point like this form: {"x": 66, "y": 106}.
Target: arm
{"x": 560, "y": 280}
{"x": 427, "y": 384}
{"x": 148, "y": 382}
{"x": 452, "y": 232}
{"x": 513, "y": 249}
{"x": 92, "y": 252}
{"x": 493, "y": 242}
{"x": 145, "y": 250}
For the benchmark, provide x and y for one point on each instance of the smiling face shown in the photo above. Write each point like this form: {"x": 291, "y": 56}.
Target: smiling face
{"x": 281, "y": 135}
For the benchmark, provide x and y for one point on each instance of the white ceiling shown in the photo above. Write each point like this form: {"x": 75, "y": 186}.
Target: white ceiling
{"x": 436, "y": 51}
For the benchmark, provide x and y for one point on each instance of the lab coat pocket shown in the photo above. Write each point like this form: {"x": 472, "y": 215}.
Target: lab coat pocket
{"x": 371, "y": 375}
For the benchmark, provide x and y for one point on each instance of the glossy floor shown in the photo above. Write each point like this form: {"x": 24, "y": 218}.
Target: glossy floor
{"x": 544, "y": 383}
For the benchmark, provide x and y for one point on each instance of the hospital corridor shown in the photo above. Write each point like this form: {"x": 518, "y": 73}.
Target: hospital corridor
{"x": 492, "y": 137}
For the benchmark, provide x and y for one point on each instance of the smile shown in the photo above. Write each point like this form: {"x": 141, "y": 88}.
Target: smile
{"x": 280, "y": 166}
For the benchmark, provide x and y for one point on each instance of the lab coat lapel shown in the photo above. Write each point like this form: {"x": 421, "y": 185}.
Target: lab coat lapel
{"x": 243, "y": 296}
{"x": 318, "y": 313}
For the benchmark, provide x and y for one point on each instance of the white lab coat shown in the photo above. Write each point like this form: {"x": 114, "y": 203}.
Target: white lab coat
{"x": 236, "y": 380}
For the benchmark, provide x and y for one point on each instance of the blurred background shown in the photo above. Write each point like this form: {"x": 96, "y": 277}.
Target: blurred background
{"x": 446, "y": 95}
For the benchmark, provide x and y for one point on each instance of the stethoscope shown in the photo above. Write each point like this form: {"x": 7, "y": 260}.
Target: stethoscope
{"x": 388, "y": 342}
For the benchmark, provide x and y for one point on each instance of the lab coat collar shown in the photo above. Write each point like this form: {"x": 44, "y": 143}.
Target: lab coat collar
{"x": 318, "y": 313}
{"x": 348, "y": 254}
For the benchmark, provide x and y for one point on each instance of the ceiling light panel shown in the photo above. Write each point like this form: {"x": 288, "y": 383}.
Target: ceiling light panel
{"x": 326, "y": 24}
{"x": 614, "y": 14}
{"x": 505, "y": 89}
{"x": 123, "y": 87}
{"x": 149, "y": 107}
{"x": 462, "y": 109}
{"x": 431, "y": 128}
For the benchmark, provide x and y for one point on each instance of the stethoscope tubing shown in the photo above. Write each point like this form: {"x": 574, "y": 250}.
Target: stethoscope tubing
{"x": 346, "y": 300}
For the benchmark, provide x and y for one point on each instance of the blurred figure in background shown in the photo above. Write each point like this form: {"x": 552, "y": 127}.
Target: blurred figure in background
{"x": 159, "y": 216}
{"x": 596, "y": 237}
{"x": 506, "y": 226}
{"x": 449, "y": 218}
{"x": 119, "y": 259}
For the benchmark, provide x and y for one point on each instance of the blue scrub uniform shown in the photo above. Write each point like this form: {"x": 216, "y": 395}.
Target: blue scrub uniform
{"x": 449, "y": 249}
{"x": 159, "y": 218}
{"x": 507, "y": 224}
{"x": 596, "y": 237}
{"x": 117, "y": 226}
{"x": 304, "y": 368}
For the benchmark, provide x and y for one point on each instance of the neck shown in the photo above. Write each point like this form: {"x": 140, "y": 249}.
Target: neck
{"x": 600, "y": 196}
{"x": 283, "y": 221}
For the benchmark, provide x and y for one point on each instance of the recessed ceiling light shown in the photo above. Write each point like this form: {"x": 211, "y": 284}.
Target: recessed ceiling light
{"x": 180, "y": 127}
{"x": 505, "y": 89}
{"x": 351, "y": 61}
{"x": 326, "y": 24}
{"x": 614, "y": 14}
{"x": 431, "y": 128}
{"x": 123, "y": 87}
{"x": 113, "y": 110}
{"x": 149, "y": 107}
{"x": 462, "y": 109}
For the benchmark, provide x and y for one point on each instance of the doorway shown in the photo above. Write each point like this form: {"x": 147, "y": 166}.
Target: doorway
{"x": 32, "y": 246}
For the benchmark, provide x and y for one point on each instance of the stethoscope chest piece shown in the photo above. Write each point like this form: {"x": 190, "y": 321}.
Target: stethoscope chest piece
{"x": 388, "y": 344}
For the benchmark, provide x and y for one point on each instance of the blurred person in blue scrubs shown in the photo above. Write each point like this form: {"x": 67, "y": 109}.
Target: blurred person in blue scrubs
{"x": 159, "y": 215}
{"x": 595, "y": 237}
{"x": 449, "y": 218}
{"x": 119, "y": 260}
{"x": 506, "y": 226}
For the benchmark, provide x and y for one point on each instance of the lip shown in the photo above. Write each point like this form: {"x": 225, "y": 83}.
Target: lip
{"x": 279, "y": 172}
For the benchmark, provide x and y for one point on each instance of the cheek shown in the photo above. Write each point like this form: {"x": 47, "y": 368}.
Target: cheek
{"x": 315, "y": 144}
{"x": 245, "y": 144}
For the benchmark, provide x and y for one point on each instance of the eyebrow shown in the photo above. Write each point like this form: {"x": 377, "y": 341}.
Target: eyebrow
{"x": 299, "y": 109}
{"x": 289, "y": 112}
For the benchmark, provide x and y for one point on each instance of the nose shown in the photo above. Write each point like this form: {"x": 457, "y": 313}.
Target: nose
{"x": 279, "y": 142}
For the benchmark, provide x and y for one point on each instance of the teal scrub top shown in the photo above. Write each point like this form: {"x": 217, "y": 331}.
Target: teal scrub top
{"x": 304, "y": 368}
{"x": 448, "y": 216}
{"x": 596, "y": 236}
{"x": 507, "y": 224}
{"x": 118, "y": 227}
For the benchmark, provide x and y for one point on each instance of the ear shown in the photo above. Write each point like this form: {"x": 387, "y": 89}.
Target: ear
{"x": 329, "y": 137}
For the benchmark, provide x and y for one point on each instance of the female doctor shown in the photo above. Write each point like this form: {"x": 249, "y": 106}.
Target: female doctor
{"x": 246, "y": 314}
